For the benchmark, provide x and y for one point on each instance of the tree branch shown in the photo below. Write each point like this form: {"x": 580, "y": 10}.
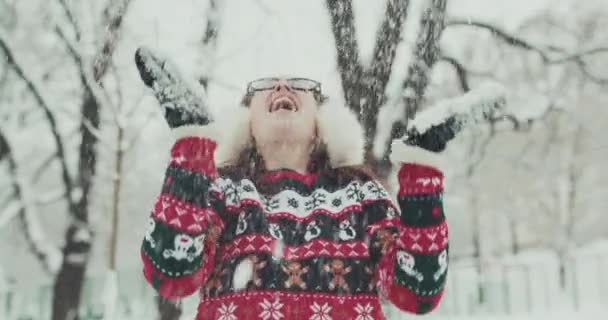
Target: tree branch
{"x": 461, "y": 72}
{"x": 580, "y": 55}
{"x": 387, "y": 39}
{"x": 89, "y": 85}
{"x": 518, "y": 42}
{"x": 426, "y": 53}
{"x": 349, "y": 63}
{"x": 500, "y": 33}
{"x": 48, "y": 255}
{"x": 71, "y": 18}
{"x": 92, "y": 102}
{"x": 209, "y": 40}
{"x": 49, "y": 116}
{"x": 114, "y": 14}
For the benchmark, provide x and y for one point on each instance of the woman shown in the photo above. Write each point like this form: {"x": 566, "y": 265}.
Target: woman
{"x": 270, "y": 214}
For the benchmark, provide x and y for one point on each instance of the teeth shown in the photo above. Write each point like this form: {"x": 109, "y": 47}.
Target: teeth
{"x": 283, "y": 103}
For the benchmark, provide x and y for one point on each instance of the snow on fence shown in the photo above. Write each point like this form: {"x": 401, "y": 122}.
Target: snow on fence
{"x": 505, "y": 288}
{"x": 520, "y": 286}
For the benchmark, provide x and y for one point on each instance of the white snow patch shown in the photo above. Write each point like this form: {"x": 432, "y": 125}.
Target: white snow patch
{"x": 76, "y": 194}
{"x": 76, "y": 258}
{"x": 9, "y": 212}
{"x": 393, "y": 110}
{"x": 388, "y": 115}
{"x": 242, "y": 274}
{"x": 472, "y": 106}
{"x": 82, "y": 235}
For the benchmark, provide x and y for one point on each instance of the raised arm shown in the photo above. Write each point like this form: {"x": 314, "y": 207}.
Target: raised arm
{"x": 179, "y": 246}
{"x": 412, "y": 247}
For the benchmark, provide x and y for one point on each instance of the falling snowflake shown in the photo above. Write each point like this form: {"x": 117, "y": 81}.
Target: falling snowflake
{"x": 320, "y": 312}
{"x": 227, "y": 312}
{"x": 364, "y": 312}
{"x": 271, "y": 310}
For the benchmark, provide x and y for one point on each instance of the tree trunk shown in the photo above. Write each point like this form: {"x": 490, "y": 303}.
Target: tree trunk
{"x": 168, "y": 309}
{"x": 69, "y": 280}
{"x": 68, "y": 283}
{"x": 514, "y": 238}
{"x": 562, "y": 273}
{"x": 116, "y": 183}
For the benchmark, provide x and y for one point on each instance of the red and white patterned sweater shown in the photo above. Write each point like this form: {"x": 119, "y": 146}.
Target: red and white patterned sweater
{"x": 317, "y": 246}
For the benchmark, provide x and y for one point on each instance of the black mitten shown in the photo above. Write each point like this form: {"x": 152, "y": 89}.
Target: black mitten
{"x": 436, "y": 137}
{"x": 180, "y": 103}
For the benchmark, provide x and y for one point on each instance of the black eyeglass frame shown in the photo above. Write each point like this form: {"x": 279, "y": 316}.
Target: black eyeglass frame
{"x": 315, "y": 89}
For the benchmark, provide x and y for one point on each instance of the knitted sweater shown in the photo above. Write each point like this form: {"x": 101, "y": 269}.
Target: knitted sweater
{"x": 295, "y": 246}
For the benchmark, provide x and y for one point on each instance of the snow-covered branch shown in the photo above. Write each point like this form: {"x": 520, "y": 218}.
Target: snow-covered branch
{"x": 388, "y": 38}
{"x": 42, "y": 102}
{"x": 71, "y": 18}
{"x": 209, "y": 41}
{"x": 9, "y": 211}
{"x": 24, "y": 207}
{"x": 476, "y": 106}
{"x": 347, "y": 49}
{"x": 523, "y": 124}
{"x": 461, "y": 72}
{"x": 519, "y": 42}
{"x": 87, "y": 79}
{"x": 499, "y": 33}
{"x": 426, "y": 53}
{"x": 114, "y": 14}
{"x": 391, "y": 118}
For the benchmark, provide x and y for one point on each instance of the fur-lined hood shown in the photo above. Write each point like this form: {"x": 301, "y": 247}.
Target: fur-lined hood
{"x": 337, "y": 126}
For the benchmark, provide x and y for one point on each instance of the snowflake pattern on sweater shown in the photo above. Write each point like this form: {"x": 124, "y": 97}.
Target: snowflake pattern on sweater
{"x": 315, "y": 246}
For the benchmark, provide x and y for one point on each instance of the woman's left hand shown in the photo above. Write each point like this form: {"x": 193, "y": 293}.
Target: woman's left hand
{"x": 435, "y": 138}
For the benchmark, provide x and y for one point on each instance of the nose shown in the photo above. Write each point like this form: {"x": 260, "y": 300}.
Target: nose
{"x": 282, "y": 84}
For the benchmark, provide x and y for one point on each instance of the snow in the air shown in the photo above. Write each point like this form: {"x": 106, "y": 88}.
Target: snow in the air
{"x": 541, "y": 189}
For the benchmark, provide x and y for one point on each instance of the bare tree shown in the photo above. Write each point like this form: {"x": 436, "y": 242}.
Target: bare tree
{"x": 364, "y": 87}
{"x": 76, "y": 187}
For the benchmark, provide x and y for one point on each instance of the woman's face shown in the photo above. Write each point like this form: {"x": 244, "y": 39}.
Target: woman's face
{"x": 283, "y": 113}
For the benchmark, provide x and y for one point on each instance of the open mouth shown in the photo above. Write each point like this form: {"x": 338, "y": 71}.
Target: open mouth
{"x": 283, "y": 103}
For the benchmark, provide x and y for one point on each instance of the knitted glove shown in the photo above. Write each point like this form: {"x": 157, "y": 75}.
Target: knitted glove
{"x": 181, "y": 105}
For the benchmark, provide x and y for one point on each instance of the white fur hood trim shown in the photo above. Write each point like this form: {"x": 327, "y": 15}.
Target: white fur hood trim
{"x": 342, "y": 135}
{"x": 337, "y": 126}
{"x": 402, "y": 153}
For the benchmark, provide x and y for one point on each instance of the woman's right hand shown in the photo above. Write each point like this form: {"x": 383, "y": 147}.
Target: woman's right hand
{"x": 181, "y": 105}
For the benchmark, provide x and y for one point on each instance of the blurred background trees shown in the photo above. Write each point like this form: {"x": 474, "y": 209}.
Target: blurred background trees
{"x": 83, "y": 146}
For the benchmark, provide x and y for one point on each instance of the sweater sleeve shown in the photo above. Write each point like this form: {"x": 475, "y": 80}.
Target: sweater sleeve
{"x": 178, "y": 248}
{"x": 412, "y": 247}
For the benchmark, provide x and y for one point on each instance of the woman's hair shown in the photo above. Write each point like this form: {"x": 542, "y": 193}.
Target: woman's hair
{"x": 250, "y": 163}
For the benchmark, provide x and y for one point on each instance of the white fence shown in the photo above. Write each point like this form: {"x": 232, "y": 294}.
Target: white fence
{"x": 514, "y": 287}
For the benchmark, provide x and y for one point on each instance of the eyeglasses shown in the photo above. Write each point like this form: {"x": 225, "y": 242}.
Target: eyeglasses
{"x": 300, "y": 84}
